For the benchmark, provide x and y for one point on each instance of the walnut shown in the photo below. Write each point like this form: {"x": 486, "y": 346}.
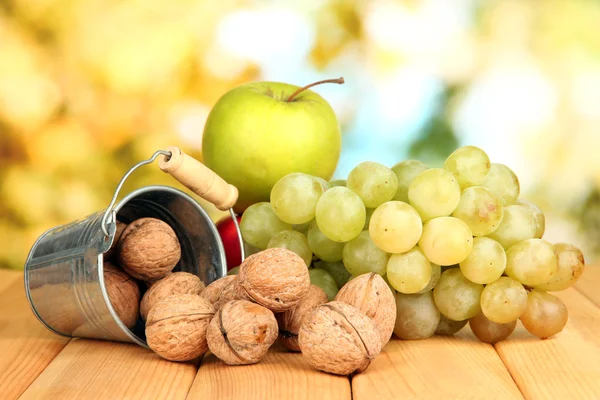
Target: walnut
{"x": 174, "y": 283}
{"x": 291, "y": 320}
{"x": 221, "y": 291}
{"x": 339, "y": 338}
{"x": 276, "y": 278}
{"x": 148, "y": 249}
{"x": 241, "y": 332}
{"x": 371, "y": 295}
{"x": 110, "y": 253}
{"x": 123, "y": 293}
{"x": 176, "y": 327}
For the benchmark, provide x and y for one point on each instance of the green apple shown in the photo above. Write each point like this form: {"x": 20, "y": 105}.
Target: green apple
{"x": 259, "y": 132}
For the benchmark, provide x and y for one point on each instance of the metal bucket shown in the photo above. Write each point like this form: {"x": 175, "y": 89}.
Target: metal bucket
{"x": 64, "y": 279}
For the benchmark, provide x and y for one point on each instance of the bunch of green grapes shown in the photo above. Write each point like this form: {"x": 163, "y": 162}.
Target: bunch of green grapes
{"x": 455, "y": 244}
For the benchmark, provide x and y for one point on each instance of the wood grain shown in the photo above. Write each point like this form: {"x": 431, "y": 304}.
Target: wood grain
{"x": 90, "y": 369}
{"x": 589, "y": 283}
{"x": 26, "y": 346}
{"x": 280, "y": 375}
{"x": 435, "y": 368}
{"x": 566, "y": 366}
{"x": 7, "y": 278}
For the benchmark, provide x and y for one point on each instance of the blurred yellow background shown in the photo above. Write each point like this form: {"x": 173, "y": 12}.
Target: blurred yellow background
{"x": 88, "y": 88}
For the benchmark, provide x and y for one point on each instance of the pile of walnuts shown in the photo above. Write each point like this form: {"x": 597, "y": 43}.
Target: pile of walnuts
{"x": 239, "y": 317}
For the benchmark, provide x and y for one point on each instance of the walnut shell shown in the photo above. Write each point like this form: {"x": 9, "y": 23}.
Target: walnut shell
{"x": 174, "y": 283}
{"x": 110, "y": 253}
{"x": 339, "y": 338}
{"x": 123, "y": 293}
{"x": 221, "y": 291}
{"x": 148, "y": 249}
{"x": 241, "y": 332}
{"x": 176, "y": 327}
{"x": 371, "y": 295}
{"x": 276, "y": 278}
{"x": 291, "y": 320}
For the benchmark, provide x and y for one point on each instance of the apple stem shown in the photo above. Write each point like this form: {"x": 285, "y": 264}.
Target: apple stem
{"x": 338, "y": 80}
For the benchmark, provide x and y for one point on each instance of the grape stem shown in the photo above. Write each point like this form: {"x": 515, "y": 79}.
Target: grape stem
{"x": 300, "y": 90}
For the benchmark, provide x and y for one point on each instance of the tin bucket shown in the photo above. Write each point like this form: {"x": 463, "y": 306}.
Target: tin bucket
{"x": 64, "y": 279}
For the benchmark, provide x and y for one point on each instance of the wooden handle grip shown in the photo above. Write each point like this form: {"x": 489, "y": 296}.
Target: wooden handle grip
{"x": 199, "y": 179}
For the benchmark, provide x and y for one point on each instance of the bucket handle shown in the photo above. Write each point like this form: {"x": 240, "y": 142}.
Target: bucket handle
{"x": 192, "y": 174}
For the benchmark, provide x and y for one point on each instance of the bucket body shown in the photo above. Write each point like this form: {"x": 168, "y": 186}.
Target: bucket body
{"x": 64, "y": 279}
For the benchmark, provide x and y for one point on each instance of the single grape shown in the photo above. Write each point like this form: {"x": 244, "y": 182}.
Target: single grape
{"x": 436, "y": 272}
{"x": 545, "y": 316}
{"x": 540, "y": 219}
{"x": 409, "y": 272}
{"x": 373, "y": 182}
{"x": 488, "y": 331}
{"x": 503, "y": 300}
{"x": 456, "y": 297}
{"x": 446, "y": 240}
{"x": 406, "y": 171}
{"x": 361, "y": 256}
{"x": 259, "y": 224}
{"x": 325, "y": 281}
{"x": 233, "y": 271}
{"x": 294, "y": 241}
{"x": 518, "y": 224}
{"x": 434, "y": 193}
{"x": 295, "y": 196}
{"x": 469, "y": 164}
{"x": 395, "y": 227}
{"x": 302, "y": 228}
{"x": 480, "y": 210}
{"x": 447, "y": 327}
{"x": 340, "y": 214}
{"x": 485, "y": 263}
{"x": 531, "y": 262}
{"x": 416, "y": 316}
{"x": 503, "y": 182}
{"x": 337, "y": 182}
{"x": 323, "y": 247}
{"x": 570, "y": 267}
{"x": 337, "y": 270}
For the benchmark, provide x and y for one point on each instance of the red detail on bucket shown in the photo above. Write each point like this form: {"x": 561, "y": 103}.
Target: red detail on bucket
{"x": 231, "y": 242}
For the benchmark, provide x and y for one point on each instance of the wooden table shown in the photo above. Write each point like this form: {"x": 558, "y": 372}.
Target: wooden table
{"x": 36, "y": 364}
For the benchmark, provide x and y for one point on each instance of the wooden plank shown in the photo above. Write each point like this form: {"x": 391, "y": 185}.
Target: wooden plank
{"x": 94, "y": 369}
{"x": 280, "y": 375}
{"x": 566, "y": 366}
{"x": 435, "y": 368}
{"x": 8, "y": 277}
{"x": 26, "y": 346}
{"x": 589, "y": 283}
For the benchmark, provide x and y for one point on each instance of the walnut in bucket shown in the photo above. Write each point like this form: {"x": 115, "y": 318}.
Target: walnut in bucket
{"x": 123, "y": 292}
{"x": 175, "y": 283}
{"x": 148, "y": 249}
